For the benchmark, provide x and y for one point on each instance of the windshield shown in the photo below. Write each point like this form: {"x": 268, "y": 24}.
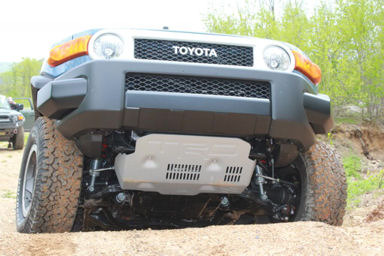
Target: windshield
{"x": 4, "y": 103}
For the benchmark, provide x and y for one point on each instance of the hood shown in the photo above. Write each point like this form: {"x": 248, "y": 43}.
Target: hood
{"x": 8, "y": 112}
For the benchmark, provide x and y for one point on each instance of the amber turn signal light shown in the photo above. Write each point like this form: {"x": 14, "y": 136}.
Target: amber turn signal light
{"x": 307, "y": 67}
{"x": 69, "y": 50}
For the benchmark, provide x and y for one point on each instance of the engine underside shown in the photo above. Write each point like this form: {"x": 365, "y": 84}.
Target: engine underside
{"x": 271, "y": 194}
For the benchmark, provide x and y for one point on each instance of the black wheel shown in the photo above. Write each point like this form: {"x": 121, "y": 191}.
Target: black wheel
{"x": 322, "y": 187}
{"x": 18, "y": 139}
{"x": 49, "y": 181}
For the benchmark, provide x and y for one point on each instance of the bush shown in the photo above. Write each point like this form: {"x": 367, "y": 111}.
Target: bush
{"x": 359, "y": 187}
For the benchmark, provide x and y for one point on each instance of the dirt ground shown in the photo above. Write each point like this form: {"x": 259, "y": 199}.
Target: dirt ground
{"x": 356, "y": 237}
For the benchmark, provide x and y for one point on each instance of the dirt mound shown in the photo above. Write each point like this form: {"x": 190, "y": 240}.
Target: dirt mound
{"x": 300, "y": 238}
{"x": 376, "y": 214}
{"x": 358, "y": 215}
{"x": 367, "y": 140}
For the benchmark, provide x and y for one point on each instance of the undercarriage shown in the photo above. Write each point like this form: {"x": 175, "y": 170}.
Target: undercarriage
{"x": 273, "y": 194}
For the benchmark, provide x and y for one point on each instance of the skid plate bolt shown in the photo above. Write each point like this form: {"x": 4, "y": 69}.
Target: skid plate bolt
{"x": 121, "y": 197}
{"x": 224, "y": 202}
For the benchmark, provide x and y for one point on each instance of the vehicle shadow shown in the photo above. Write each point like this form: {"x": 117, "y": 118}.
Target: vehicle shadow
{"x": 2, "y": 148}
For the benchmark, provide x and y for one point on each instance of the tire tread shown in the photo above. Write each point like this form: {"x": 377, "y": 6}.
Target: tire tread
{"x": 58, "y": 180}
{"x": 326, "y": 188}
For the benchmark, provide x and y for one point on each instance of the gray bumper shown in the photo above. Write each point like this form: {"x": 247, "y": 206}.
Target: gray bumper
{"x": 92, "y": 96}
{"x": 7, "y": 130}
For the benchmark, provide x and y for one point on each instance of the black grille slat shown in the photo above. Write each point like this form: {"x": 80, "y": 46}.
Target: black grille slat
{"x": 4, "y": 118}
{"x": 197, "y": 85}
{"x": 149, "y": 49}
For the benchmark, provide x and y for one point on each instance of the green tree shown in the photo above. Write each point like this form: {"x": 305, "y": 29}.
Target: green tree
{"x": 345, "y": 38}
{"x": 16, "y": 81}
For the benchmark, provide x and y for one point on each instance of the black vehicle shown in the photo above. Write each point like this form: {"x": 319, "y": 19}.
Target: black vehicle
{"x": 162, "y": 129}
{"x": 11, "y": 124}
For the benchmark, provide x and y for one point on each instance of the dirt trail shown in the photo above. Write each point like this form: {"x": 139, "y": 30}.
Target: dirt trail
{"x": 302, "y": 238}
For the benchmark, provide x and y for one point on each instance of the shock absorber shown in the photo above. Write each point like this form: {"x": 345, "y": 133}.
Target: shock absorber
{"x": 95, "y": 164}
{"x": 260, "y": 181}
{"x": 95, "y": 172}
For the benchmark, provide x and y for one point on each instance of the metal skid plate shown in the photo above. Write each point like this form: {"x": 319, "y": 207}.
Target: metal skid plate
{"x": 186, "y": 165}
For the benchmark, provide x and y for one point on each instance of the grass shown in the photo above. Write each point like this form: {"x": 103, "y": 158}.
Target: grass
{"x": 347, "y": 120}
{"x": 352, "y": 166}
{"x": 26, "y": 135}
{"x": 9, "y": 194}
{"x": 357, "y": 188}
{"x": 359, "y": 184}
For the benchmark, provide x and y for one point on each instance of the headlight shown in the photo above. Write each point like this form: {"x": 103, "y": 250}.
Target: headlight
{"x": 17, "y": 118}
{"x": 276, "y": 58}
{"x": 108, "y": 46}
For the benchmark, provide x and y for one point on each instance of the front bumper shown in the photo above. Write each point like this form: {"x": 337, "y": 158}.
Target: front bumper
{"x": 7, "y": 131}
{"x": 92, "y": 96}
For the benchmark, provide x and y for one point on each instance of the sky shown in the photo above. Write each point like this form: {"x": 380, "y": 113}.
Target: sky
{"x": 28, "y": 28}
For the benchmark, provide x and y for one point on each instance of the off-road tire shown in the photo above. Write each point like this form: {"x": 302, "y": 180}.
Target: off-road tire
{"x": 324, "y": 186}
{"x": 18, "y": 139}
{"x": 57, "y": 182}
